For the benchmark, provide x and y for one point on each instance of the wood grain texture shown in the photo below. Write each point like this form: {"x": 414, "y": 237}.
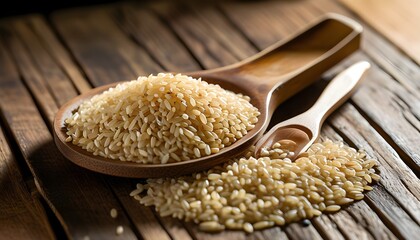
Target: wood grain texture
{"x": 31, "y": 74}
{"x": 340, "y": 217}
{"x": 367, "y": 107}
{"x": 58, "y": 52}
{"x": 370, "y": 220}
{"x": 327, "y": 228}
{"x": 397, "y": 25}
{"x": 145, "y": 228}
{"x": 21, "y": 213}
{"x": 102, "y": 44}
{"x": 79, "y": 198}
{"x": 400, "y": 202}
{"x": 142, "y": 218}
{"x": 400, "y": 92}
{"x": 211, "y": 40}
{"x": 39, "y": 61}
{"x": 150, "y": 32}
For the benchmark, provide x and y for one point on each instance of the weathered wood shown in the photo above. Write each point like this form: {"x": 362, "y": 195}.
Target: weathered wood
{"x": 100, "y": 46}
{"x": 79, "y": 198}
{"x": 112, "y": 44}
{"x": 145, "y": 228}
{"x": 397, "y": 26}
{"x": 274, "y": 24}
{"x": 386, "y": 55}
{"x": 183, "y": 31}
{"x": 403, "y": 69}
{"x": 327, "y": 228}
{"x": 213, "y": 42}
{"x": 175, "y": 228}
{"x": 21, "y": 213}
{"x": 200, "y": 235}
{"x": 370, "y": 220}
{"x": 309, "y": 229}
{"x": 32, "y": 76}
{"x": 393, "y": 116}
{"x": 400, "y": 202}
{"x": 58, "y": 52}
{"x": 50, "y": 72}
{"x": 297, "y": 231}
{"x": 346, "y": 222}
{"x": 141, "y": 217}
{"x": 402, "y": 96}
{"x": 149, "y": 31}
{"x": 261, "y": 23}
{"x": 254, "y": 25}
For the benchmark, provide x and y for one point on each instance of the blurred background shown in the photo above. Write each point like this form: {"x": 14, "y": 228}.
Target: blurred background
{"x": 18, "y": 7}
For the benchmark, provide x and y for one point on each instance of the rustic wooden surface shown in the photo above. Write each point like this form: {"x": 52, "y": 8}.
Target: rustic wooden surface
{"x": 46, "y": 60}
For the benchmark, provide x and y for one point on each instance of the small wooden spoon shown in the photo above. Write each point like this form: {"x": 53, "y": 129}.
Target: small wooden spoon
{"x": 304, "y": 129}
{"x": 269, "y": 78}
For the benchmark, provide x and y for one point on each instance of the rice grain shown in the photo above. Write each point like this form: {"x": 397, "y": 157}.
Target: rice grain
{"x": 142, "y": 120}
{"x": 251, "y": 193}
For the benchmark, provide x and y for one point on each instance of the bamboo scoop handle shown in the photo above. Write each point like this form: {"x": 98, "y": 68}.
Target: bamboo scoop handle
{"x": 336, "y": 93}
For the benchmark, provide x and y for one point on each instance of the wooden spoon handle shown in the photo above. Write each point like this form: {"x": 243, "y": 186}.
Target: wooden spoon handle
{"x": 337, "y": 92}
{"x": 285, "y": 68}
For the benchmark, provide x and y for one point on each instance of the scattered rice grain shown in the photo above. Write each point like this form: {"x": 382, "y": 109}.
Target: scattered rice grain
{"x": 113, "y": 213}
{"x": 119, "y": 230}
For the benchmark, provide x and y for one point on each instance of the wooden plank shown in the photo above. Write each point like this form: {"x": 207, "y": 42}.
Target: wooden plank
{"x": 141, "y": 210}
{"x": 409, "y": 98}
{"x": 391, "y": 198}
{"x": 93, "y": 38}
{"x": 21, "y": 213}
{"x": 149, "y": 31}
{"x": 30, "y": 73}
{"x": 261, "y": 22}
{"x": 393, "y": 61}
{"x": 213, "y": 41}
{"x": 398, "y": 21}
{"x": 48, "y": 70}
{"x": 386, "y": 55}
{"x": 346, "y": 222}
{"x": 214, "y": 62}
{"x": 142, "y": 218}
{"x": 340, "y": 218}
{"x": 370, "y": 220}
{"x": 228, "y": 10}
{"x": 296, "y": 231}
{"x": 394, "y": 116}
{"x": 58, "y": 52}
{"x": 175, "y": 228}
{"x": 401, "y": 127}
{"x": 254, "y": 25}
{"x": 183, "y": 29}
{"x": 397, "y": 65}
{"x": 360, "y": 211}
{"x": 327, "y": 228}
{"x": 68, "y": 189}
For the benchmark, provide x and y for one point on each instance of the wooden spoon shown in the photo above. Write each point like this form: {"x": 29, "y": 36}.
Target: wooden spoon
{"x": 304, "y": 129}
{"x": 269, "y": 78}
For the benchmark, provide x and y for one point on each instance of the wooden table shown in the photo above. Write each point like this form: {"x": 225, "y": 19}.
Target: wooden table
{"x": 46, "y": 60}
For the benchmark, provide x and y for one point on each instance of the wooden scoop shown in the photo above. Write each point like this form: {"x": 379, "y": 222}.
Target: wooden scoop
{"x": 269, "y": 78}
{"x": 304, "y": 128}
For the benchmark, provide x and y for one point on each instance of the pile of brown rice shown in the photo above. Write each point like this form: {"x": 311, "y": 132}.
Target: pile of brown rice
{"x": 255, "y": 193}
{"x": 161, "y": 119}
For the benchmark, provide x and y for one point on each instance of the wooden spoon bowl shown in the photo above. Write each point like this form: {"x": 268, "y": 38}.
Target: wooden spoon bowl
{"x": 269, "y": 78}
